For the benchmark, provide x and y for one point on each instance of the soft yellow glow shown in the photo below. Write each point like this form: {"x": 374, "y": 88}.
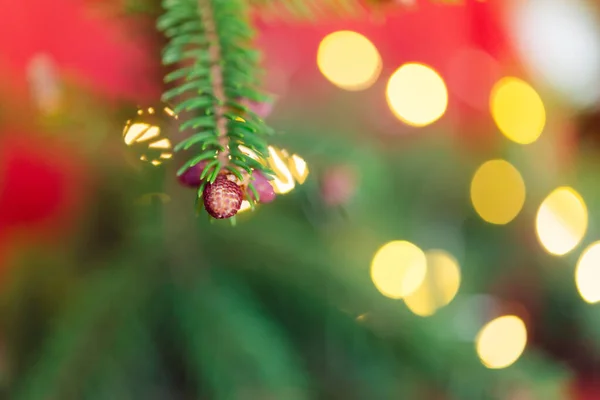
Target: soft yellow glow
{"x": 284, "y": 181}
{"x": 517, "y": 110}
{"x": 587, "y": 274}
{"x": 497, "y": 192}
{"x": 245, "y": 206}
{"x": 139, "y": 132}
{"x": 398, "y": 269}
{"x": 288, "y": 170}
{"x": 501, "y": 342}
{"x": 561, "y": 221}
{"x": 441, "y": 283}
{"x": 161, "y": 144}
{"x": 349, "y": 60}
{"x": 417, "y": 95}
{"x": 298, "y": 168}
{"x": 170, "y": 112}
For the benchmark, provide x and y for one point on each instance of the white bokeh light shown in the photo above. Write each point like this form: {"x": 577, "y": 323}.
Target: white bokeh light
{"x": 560, "y": 40}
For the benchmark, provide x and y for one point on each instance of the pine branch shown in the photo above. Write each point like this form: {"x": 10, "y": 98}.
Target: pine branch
{"x": 83, "y": 335}
{"x": 265, "y": 360}
{"x": 214, "y": 75}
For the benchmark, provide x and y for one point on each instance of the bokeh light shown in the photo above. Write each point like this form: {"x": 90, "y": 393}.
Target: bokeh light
{"x": 284, "y": 180}
{"x": 145, "y": 134}
{"x": 398, "y": 269}
{"x": 298, "y": 167}
{"x": 417, "y": 94}
{"x": 288, "y": 170}
{"x": 497, "y": 192}
{"x": 139, "y": 132}
{"x": 440, "y": 285}
{"x": 517, "y": 110}
{"x": 244, "y": 207}
{"x": 546, "y": 32}
{"x": 349, "y": 60}
{"x": 501, "y": 342}
{"x": 561, "y": 221}
{"x": 587, "y": 274}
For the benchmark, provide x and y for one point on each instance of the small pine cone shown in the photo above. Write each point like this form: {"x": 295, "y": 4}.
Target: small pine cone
{"x": 223, "y": 198}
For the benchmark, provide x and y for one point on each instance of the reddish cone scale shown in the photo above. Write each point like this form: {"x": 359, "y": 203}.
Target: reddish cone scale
{"x": 223, "y": 198}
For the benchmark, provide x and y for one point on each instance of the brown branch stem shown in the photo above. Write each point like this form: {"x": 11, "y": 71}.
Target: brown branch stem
{"x": 216, "y": 74}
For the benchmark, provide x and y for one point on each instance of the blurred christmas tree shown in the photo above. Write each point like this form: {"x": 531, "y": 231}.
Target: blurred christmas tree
{"x": 422, "y": 253}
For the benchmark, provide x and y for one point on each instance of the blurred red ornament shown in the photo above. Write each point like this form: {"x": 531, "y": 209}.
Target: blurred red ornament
{"x": 95, "y": 49}
{"x": 470, "y": 75}
{"x": 41, "y": 184}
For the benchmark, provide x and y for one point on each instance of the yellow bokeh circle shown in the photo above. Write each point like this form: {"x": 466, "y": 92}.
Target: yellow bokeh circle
{"x": 561, "y": 221}
{"x": 398, "y": 269}
{"x": 587, "y": 274}
{"x": 349, "y": 60}
{"x": 497, "y": 192}
{"x": 417, "y": 94}
{"x": 440, "y": 285}
{"x": 517, "y": 110}
{"x": 501, "y": 342}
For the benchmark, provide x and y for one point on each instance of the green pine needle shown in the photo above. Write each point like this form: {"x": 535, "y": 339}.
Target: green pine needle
{"x": 254, "y": 191}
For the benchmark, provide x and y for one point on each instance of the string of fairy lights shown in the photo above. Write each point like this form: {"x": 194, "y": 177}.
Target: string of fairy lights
{"x": 428, "y": 280}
